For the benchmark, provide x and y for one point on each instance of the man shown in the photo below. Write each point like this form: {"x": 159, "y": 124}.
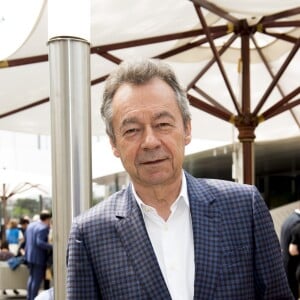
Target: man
{"x": 36, "y": 252}
{"x": 294, "y": 247}
{"x": 5, "y": 255}
{"x": 168, "y": 235}
{"x": 24, "y": 222}
{"x": 291, "y": 262}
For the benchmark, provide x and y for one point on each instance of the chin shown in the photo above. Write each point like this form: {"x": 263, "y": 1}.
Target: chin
{"x": 158, "y": 178}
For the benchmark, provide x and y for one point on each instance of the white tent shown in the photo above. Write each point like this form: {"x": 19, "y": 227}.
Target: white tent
{"x": 24, "y": 74}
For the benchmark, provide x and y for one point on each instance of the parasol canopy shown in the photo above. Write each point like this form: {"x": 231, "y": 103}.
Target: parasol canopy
{"x": 239, "y": 64}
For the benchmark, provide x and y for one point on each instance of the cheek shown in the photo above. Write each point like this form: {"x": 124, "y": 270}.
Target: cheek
{"x": 176, "y": 148}
{"x": 125, "y": 151}
{"x": 180, "y": 141}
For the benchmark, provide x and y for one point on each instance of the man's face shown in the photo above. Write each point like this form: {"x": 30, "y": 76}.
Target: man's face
{"x": 150, "y": 137}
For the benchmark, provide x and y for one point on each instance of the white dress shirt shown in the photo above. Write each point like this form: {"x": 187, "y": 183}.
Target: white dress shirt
{"x": 173, "y": 244}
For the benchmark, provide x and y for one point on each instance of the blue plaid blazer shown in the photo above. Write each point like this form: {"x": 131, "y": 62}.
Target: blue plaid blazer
{"x": 237, "y": 253}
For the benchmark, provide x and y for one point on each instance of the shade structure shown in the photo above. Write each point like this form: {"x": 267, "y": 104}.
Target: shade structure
{"x": 239, "y": 64}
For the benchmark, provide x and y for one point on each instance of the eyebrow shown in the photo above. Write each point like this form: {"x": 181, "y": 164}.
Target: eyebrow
{"x": 163, "y": 114}
{"x": 157, "y": 116}
{"x": 130, "y": 120}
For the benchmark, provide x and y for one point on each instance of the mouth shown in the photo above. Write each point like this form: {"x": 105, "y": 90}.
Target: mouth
{"x": 153, "y": 162}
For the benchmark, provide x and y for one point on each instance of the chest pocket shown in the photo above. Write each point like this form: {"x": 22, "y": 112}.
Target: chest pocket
{"x": 238, "y": 256}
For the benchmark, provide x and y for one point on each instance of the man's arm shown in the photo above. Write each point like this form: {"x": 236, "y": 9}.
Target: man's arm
{"x": 271, "y": 281}
{"x": 295, "y": 240}
{"x": 81, "y": 281}
{"x": 42, "y": 239}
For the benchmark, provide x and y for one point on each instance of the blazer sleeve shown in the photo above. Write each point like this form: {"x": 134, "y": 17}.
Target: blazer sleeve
{"x": 42, "y": 239}
{"x": 270, "y": 277}
{"x": 81, "y": 281}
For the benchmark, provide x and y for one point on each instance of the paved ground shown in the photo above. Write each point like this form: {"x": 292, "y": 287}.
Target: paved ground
{"x": 11, "y": 295}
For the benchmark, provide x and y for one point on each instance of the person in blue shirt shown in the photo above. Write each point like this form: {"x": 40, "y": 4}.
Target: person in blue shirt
{"x": 13, "y": 236}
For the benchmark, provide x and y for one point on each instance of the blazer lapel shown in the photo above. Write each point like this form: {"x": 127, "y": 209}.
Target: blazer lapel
{"x": 134, "y": 236}
{"x": 206, "y": 231}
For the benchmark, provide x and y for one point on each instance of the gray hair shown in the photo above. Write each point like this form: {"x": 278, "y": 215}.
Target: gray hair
{"x": 139, "y": 72}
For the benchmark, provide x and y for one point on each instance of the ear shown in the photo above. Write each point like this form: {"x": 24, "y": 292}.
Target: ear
{"x": 114, "y": 148}
{"x": 188, "y": 133}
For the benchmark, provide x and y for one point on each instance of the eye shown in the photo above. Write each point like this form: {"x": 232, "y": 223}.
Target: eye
{"x": 164, "y": 125}
{"x": 130, "y": 131}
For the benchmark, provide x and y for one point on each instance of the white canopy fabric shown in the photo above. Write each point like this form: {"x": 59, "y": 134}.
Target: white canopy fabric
{"x": 112, "y": 22}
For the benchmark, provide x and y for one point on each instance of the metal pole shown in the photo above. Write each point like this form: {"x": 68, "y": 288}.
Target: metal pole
{"x": 69, "y": 60}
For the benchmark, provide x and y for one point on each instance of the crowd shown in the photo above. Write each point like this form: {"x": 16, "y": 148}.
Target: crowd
{"x": 30, "y": 241}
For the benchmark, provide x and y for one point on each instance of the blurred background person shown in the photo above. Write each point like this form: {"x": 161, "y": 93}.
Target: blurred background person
{"x": 5, "y": 255}
{"x": 49, "y": 269}
{"x": 294, "y": 251}
{"x": 36, "y": 252}
{"x": 13, "y": 236}
{"x": 24, "y": 222}
{"x": 290, "y": 262}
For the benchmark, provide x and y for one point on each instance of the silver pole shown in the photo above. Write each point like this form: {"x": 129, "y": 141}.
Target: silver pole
{"x": 69, "y": 60}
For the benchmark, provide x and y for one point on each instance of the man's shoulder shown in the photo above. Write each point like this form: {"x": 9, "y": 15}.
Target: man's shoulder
{"x": 291, "y": 220}
{"x": 296, "y": 228}
{"x": 31, "y": 226}
{"x": 223, "y": 194}
{"x": 217, "y": 185}
{"x": 104, "y": 209}
{"x": 38, "y": 225}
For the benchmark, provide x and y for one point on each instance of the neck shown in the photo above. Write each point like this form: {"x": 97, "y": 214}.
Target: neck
{"x": 161, "y": 197}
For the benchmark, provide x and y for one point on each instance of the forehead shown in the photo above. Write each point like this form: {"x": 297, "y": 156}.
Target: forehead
{"x": 153, "y": 94}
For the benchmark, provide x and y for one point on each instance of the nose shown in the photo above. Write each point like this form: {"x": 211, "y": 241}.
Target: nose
{"x": 150, "y": 139}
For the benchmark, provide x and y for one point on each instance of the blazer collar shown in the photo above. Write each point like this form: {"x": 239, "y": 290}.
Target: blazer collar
{"x": 207, "y": 239}
{"x": 134, "y": 236}
{"x": 206, "y": 230}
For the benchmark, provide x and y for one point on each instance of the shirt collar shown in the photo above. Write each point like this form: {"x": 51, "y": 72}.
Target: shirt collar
{"x": 183, "y": 194}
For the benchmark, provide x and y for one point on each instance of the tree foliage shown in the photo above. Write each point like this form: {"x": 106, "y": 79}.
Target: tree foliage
{"x": 26, "y": 206}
